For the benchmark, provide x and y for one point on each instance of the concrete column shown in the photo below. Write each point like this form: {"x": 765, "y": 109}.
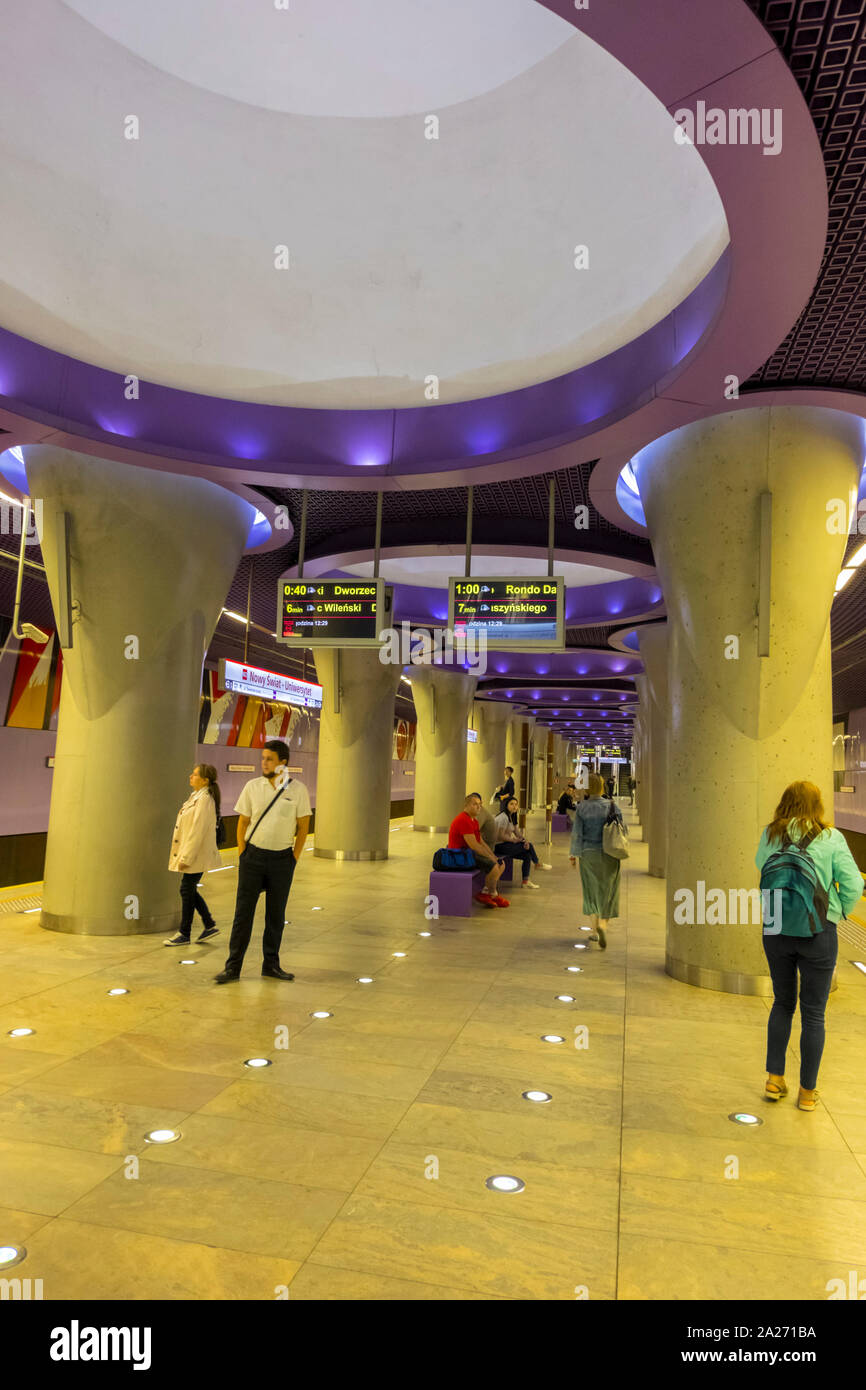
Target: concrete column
{"x": 514, "y": 753}
{"x": 645, "y": 786}
{"x": 356, "y": 736}
{"x": 151, "y": 558}
{"x": 654, "y": 652}
{"x": 487, "y": 757}
{"x": 443, "y": 700}
{"x": 743, "y": 725}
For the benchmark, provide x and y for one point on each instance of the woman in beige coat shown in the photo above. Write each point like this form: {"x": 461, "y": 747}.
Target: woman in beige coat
{"x": 194, "y": 850}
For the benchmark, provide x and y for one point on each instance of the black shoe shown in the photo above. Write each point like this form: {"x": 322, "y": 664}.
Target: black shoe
{"x": 212, "y": 930}
{"x": 178, "y": 940}
{"x": 226, "y": 976}
{"x": 274, "y": 972}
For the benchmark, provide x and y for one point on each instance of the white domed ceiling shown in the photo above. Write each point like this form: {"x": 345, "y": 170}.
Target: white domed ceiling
{"x": 434, "y": 571}
{"x": 408, "y": 258}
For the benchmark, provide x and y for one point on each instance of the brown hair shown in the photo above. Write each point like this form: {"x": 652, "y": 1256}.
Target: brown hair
{"x": 596, "y": 784}
{"x": 800, "y": 802}
{"x": 210, "y": 774}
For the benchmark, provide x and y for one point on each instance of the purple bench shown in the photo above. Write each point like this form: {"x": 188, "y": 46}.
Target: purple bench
{"x": 455, "y": 891}
{"x": 560, "y": 822}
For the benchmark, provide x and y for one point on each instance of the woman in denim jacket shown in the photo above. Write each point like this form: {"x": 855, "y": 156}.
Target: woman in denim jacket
{"x": 599, "y": 873}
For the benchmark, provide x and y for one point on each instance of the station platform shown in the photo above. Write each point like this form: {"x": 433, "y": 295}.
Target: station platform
{"x": 354, "y": 1167}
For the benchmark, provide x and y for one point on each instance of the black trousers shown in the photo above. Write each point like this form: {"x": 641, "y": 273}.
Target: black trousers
{"x": 191, "y": 901}
{"x": 261, "y": 870}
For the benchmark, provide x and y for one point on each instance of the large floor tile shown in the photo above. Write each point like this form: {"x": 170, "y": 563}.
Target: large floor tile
{"x": 229, "y": 1210}
{"x": 320, "y": 1283}
{"x": 662, "y": 1269}
{"x": 285, "y": 1153}
{"x": 484, "y": 1253}
{"x": 334, "y": 1111}
{"x": 81, "y": 1262}
{"x": 46, "y": 1178}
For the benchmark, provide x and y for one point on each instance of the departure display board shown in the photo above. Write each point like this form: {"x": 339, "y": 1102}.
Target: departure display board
{"x": 332, "y": 612}
{"x": 514, "y": 614}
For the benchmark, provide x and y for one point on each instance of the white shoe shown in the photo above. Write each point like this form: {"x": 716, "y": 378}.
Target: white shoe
{"x": 545, "y": 866}
{"x": 527, "y": 883}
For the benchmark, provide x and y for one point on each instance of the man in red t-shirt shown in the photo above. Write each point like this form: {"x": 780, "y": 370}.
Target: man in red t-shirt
{"x": 464, "y": 833}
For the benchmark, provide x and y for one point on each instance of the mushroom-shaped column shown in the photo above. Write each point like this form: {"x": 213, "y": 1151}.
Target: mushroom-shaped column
{"x": 356, "y": 740}
{"x": 487, "y": 755}
{"x": 442, "y": 699}
{"x": 150, "y": 559}
{"x": 743, "y": 512}
{"x": 647, "y": 754}
{"x": 654, "y": 652}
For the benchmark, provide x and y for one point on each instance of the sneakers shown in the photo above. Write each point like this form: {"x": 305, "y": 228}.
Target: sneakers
{"x": 486, "y": 898}
{"x": 773, "y": 1091}
{"x": 546, "y": 866}
{"x": 212, "y": 930}
{"x": 807, "y": 1104}
{"x": 499, "y": 901}
{"x": 527, "y": 883}
{"x": 177, "y": 940}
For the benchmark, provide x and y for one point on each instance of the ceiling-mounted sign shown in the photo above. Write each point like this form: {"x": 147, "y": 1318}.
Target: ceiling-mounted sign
{"x": 332, "y": 612}
{"x": 268, "y": 685}
{"x": 515, "y": 615}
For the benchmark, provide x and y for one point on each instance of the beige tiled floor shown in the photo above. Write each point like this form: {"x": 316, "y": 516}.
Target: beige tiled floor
{"x": 354, "y": 1168}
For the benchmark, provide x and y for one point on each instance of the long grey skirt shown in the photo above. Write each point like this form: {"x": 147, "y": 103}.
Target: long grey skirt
{"x": 599, "y": 876}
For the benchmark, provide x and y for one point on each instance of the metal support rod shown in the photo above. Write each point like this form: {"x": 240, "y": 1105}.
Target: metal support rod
{"x": 338, "y": 681}
{"x": 249, "y": 600}
{"x": 764, "y": 573}
{"x": 302, "y": 542}
{"x": 468, "y": 569}
{"x": 378, "y": 541}
{"x": 551, "y": 523}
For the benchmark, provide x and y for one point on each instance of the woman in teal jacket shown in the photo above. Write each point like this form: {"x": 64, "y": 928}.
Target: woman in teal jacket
{"x": 801, "y": 813}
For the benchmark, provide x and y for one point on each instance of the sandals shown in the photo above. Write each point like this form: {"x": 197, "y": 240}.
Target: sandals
{"x": 772, "y": 1091}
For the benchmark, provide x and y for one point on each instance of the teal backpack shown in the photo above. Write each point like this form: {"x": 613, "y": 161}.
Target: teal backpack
{"x": 803, "y": 902}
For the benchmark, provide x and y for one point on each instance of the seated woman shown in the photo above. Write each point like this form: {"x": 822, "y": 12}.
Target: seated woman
{"x": 510, "y": 842}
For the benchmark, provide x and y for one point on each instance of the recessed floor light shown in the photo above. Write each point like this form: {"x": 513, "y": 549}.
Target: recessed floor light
{"x": 11, "y": 1255}
{"x": 580, "y": 945}
{"x": 552, "y": 1038}
{"x": 425, "y": 933}
{"x": 117, "y": 991}
{"x": 21, "y": 1032}
{"x": 321, "y": 1013}
{"x": 574, "y": 969}
{"x": 503, "y": 1182}
{"x": 742, "y": 1117}
{"x": 258, "y": 1062}
{"x": 162, "y": 1136}
{"x": 365, "y": 979}
{"x": 187, "y": 962}
{"x": 565, "y": 998}
{"x": 586, "y": 929}
{"x": 540, "y": 1097}
{"x": 398, "y": 953}
{"x": 315, "y": 909}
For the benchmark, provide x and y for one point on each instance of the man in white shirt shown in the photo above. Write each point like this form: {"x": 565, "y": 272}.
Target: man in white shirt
{"x": 278, "y": 810}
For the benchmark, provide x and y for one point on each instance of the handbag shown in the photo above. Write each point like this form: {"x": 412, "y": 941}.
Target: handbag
{"x": 220, "y": 832}
{"x": 453, "y": 860}
{"x": 614, "y": 836}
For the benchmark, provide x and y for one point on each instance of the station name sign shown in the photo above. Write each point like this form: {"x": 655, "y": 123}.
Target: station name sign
{"x": 268, "y": 685}
{"x": 519, "y": 614}
{"x": 332, "y": 612}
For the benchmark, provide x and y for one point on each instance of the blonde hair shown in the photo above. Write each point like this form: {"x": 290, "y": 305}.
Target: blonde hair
{"x": 800, "y": 802}
{"x": 596, "y": 784}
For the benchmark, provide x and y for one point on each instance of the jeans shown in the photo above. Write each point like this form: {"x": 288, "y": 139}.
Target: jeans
{"x": 271, "y": 871}
{"x": 815, "y": 957}
{"x": 510, "y": 849}
{"x": 191, "y": 901}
